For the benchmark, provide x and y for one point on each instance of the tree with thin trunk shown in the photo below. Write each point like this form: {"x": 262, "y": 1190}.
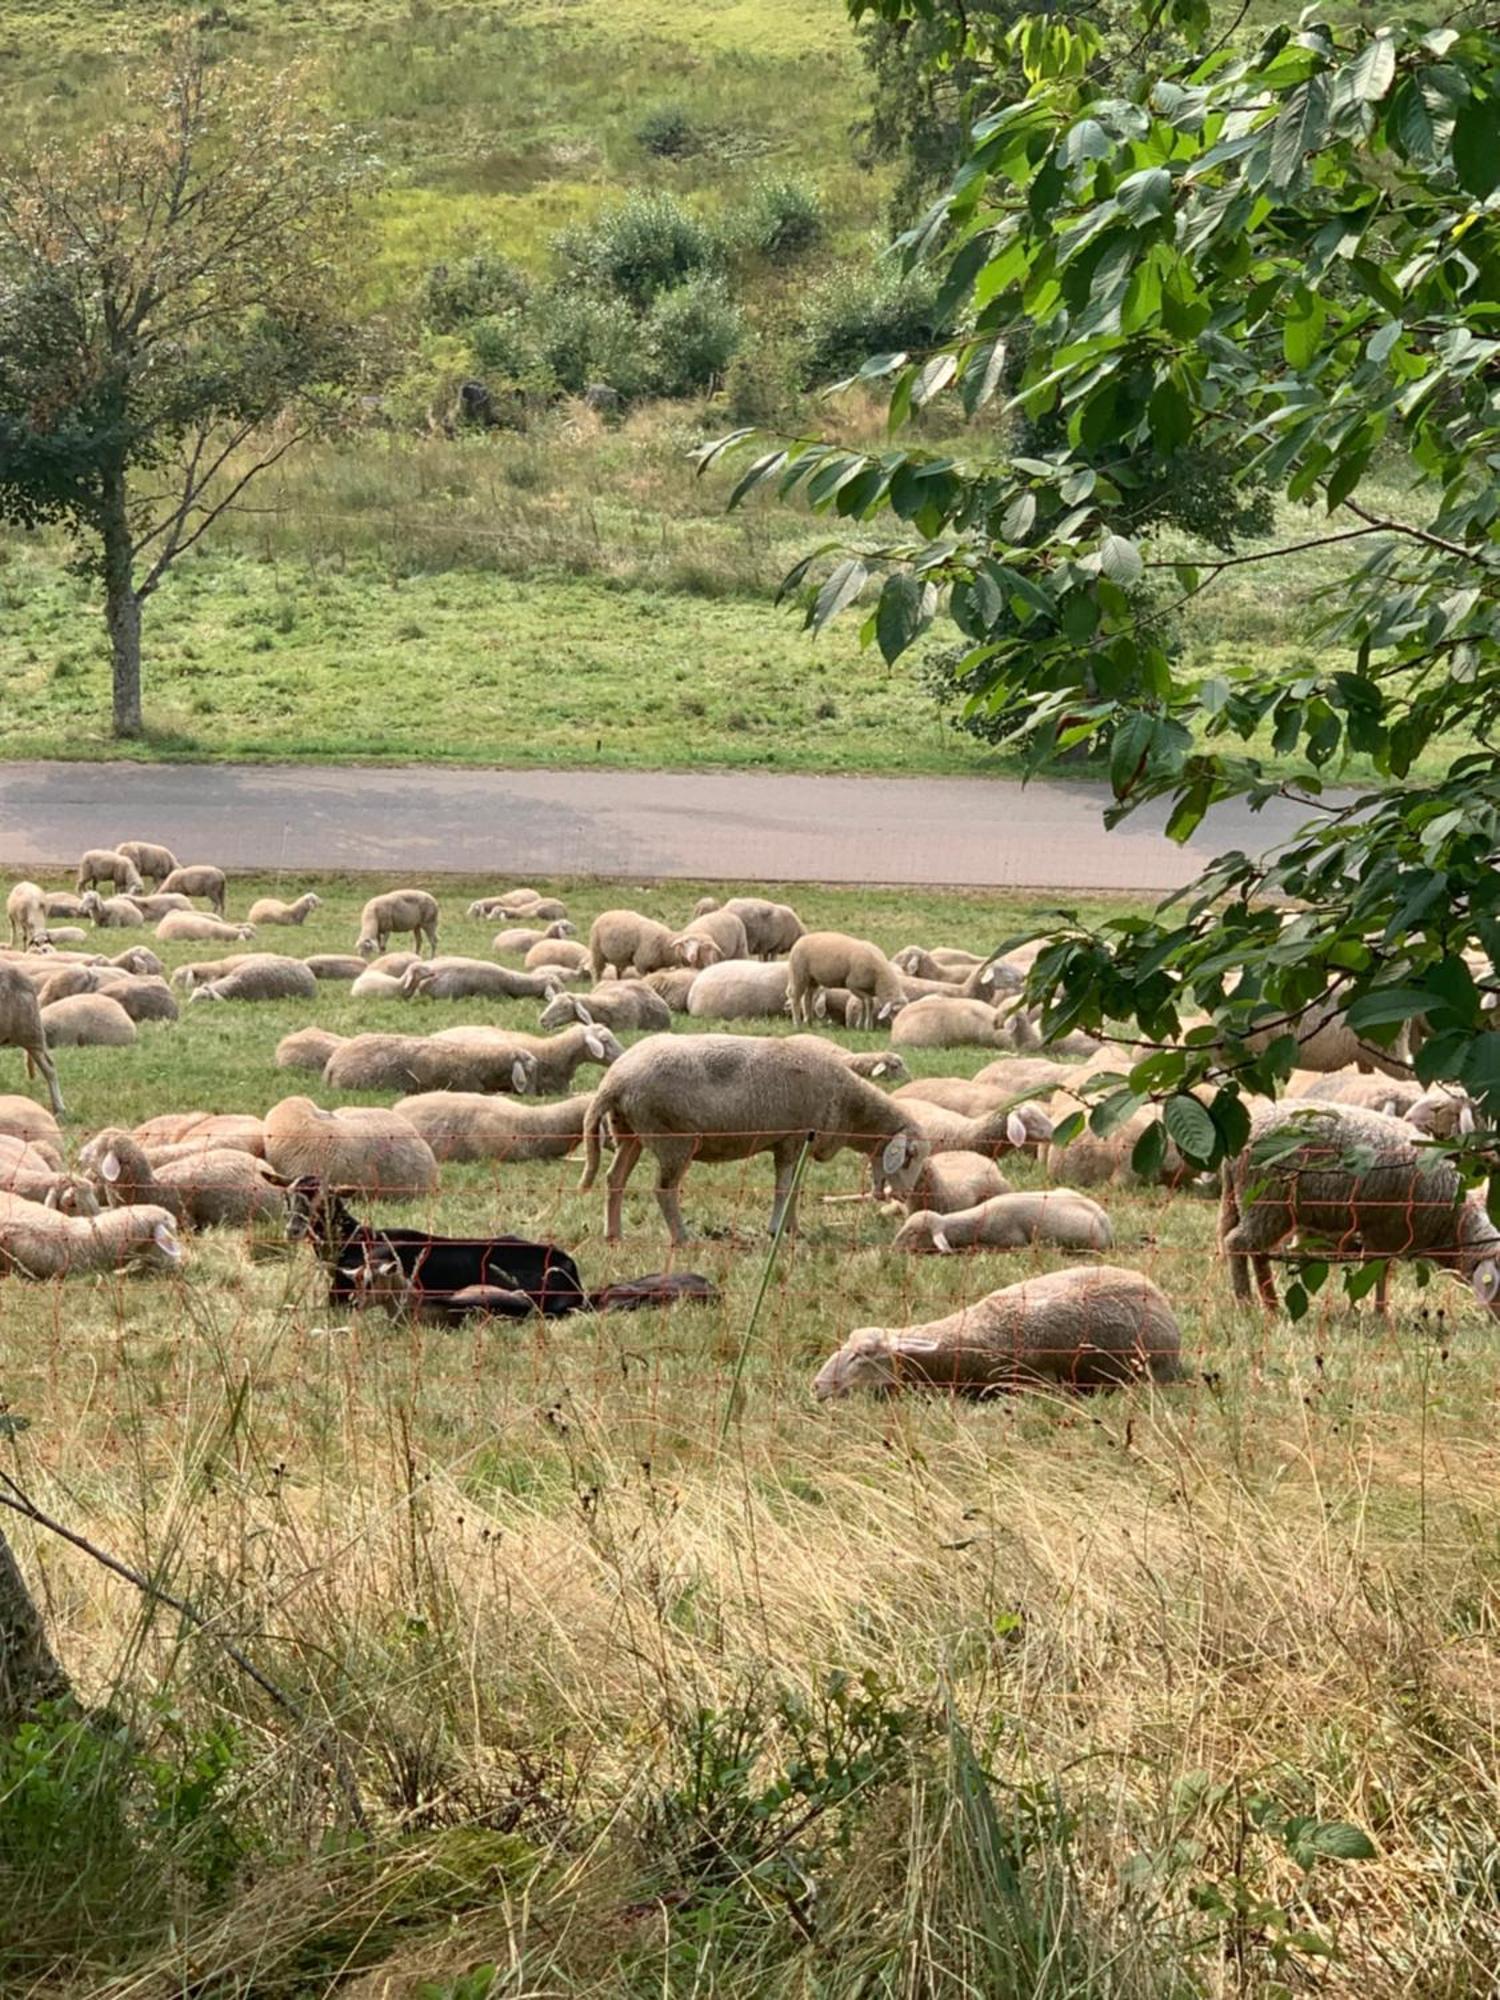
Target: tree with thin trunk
{"x": 173, "y": 319}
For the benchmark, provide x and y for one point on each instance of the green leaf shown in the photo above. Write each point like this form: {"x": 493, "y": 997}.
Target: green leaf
{"x": 1333, "y": 1840}
{"x": 1387, "y": 1005}
{"x": 1191, "y": 1128}
{"x": 844, "y": 584}
{"x": 765, "y": 467}
{"x": 932, "y": 378}
{"x": 1171, "y": 418}
{"x": 1372, "y": 72}
{"x": 1120, "y": 560}
{"x": 899, "y": 615}
{"x": 1299, "y": 130}
{"x": 1476, "y": 147}
{"x": 1302, "y": 332}
{"x": 982, "y": 375}
{"x": 1412, "y": 121}
{"x": 1146, "y": 194}
{"x": 1149, "y": 1153}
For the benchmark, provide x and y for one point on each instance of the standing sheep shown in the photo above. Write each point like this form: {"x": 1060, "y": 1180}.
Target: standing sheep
{"x": 201, "y": 880}
{"x": 399, "y": 910}
{"x": 26, "y": 908}
{"x": 152, "y": 862}
{"x": 104, "y": 864}
{"x": 623, "y": 941}
{"x": 270, "y": 910}
{"x": 22, "y": 1027}
{"x": 1090, "y": 1328}
{"x": 771, "y": 929}
{"x": 728, "y": 1097}
{"x": 831, "y": 959}
{"x": 1060, "y": 1217}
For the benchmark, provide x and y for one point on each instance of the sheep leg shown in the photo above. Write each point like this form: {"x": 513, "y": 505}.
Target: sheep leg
{"x": 1382, "y": 1291}
{"x": 784, "y": 1202}
{"x": 672, "y": 1165}
{"x": 39, "y": 1062}
{"x": 1264, "y": 1281}
{"x": 627, "y": 1152}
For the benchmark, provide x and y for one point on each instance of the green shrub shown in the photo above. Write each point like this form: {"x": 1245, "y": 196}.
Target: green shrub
{"x": 854, "y": 315}
{"x": 667, "y": 132}
{"x": 454, "y": 295}
{"x": 648, "y": 245}
{"x": 693, "y": 333}
{"x": 583, "y": 338}
{"x": 782, "y": 218}
{"x": 507, "y": 352}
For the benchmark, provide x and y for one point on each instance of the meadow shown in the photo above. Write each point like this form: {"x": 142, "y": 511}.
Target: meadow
{"x": 654, "y": 1677}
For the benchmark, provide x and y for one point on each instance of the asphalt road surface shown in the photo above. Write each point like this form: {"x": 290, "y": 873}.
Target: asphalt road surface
{"x": 415, "y": 821}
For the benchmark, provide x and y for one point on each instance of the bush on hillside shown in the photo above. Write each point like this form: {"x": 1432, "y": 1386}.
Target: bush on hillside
{"x": 583, "y": 338}
{"x": 782, "y": 218}
{"x": 854, "y": 315}
{"x": 478, "y": 287}
{"x": 667, "y": 133}
{"x": 648, "y": 245}
{"x": 693, "y": 332}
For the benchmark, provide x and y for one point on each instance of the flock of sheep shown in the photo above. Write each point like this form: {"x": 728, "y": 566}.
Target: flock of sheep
{"x": 1353, "y": 1168}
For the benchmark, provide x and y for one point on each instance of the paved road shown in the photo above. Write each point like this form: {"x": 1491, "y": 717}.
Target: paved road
{"x": 421, "y": 820}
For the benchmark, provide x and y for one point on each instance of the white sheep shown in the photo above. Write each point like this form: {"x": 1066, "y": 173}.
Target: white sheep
{"x": 372, "y": 1150}
{"x": 1086, "y": 1328}
{"x": 21, "y": 1118}
{"x": 468, "y": 1125}
{"x": 334, "y": 965}
{"x": 26, "y": 907}
{"x": 517, "y": 941}
{"x": 379, "y": 1062}
{"x": 950, "y": 1182}
{"x": 143, "y": 999}
{"x": 151, "y": 861}
{"x": 187, "y": 978}
{"x": 88, "y": 1020}
{"x": 272, "y": 910}
{"x": 710, "y": 939}
{"x": 307, "y": 1048}
{"x": 771, "y": 929}
{"x": 728, "y": 1097}
{"x": 564, "y": 955}
{"x": 950, "y": 1022}
{"x": 262, "y": 975}
{"x": 36, "y": 1174}
{"x": 1008, "y": 1128}
{"x": 38, "y": 1242}
{"x": 116, "y": 913}
{"x": 139, "y": 959}
{"x": 832, "y": 959}
{"x": 153, "y": 908}
{"x": 623, "y": 1005}
{"x": 22, "y": 1027}
{"x": 62, "y": 903}
{"x": 740, "y": 989}
{"x": 944, "y": 963}
{"x": 201, "y": 880}
{"x": 1326, "y": 1042}
{"x": 486, "y": 1056}
{"x": 192, "y": 926}
{"x": 373, "y": 984}
{"x": 173, "y": 1131}
{"x": 205, "y": 1189}
{"x": 397, "y": 911}
{"x": 674, "y": 985}
{"x": 1060, "y": 1217}
{"x": 474, "y": 979}
{"x": 104, "y": 864}
{"x": 623, "y": 941}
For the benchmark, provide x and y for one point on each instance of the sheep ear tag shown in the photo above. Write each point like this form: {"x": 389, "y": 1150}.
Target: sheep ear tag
{"x": 1015, "y": 1129}
{"x": 109, "y": 1166}
{"x": 594, "y": 1043}
{"x": 1485, "y": 1282}
{"x": 518, "y": 1076}
{"x": 893, "y": 1159}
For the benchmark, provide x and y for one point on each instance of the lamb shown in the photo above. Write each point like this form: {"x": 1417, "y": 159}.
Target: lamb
{"x": 466, "y": 1125}
{"x": 22, "y": 1119}
{"x": 152, "y": 908}
{"x": 561, "y": 954}
{"x": 271, "y": 910}
{"x": 740, "y": 989}
{"x": 38, "y": 1242}
{"x": 261, "y": 976}
{"x": 622, "y": 941}
{"x": 203, "y": 1189}
{"x": 203, "y": 880}
{"x": 710, "y": 939}
{"x": 192, "y": 927}
{"x": 104, "y": 864}
{"x": 492, "y": 1051}
{"x": 117, "y": 913}
{"x": 831, "y": 959}
{"x": 398, "y": 910}
{"x": 307, "y": 1048}
{"x": 938, "y": 1022}
{"x": 372, "y": 1150}
{"x": 474, "y": 979}
{"x": 1091, "y": 1328}
{"x": 1359, "y": 1181}
{"x": 674, "y": 985}
{"x": 727, "y": 1097}
{"x": 88, "y": 1020}
{"x": 37, "y": 1175}
{"x": 26, "y": 907}
{"x": 334, "y": 965}
{"x": 517, "y": 942}
{"x": 175, "y": 1132}
{"x": 1060, "y": 1217}
{"x": 623, "y": 1005}
{"x": 771, "y": 929}
{"x": 951, "y": 1182}
{"x": 152, "y": 862}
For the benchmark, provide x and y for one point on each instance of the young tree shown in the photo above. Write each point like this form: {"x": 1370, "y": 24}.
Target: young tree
{"x": 1291, "y": 257}
{"x": 172, "y": 320}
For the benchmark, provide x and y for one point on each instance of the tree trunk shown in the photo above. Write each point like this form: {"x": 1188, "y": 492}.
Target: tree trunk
{"x": 29, "y": 1669}
{"x": 122, "y": 607}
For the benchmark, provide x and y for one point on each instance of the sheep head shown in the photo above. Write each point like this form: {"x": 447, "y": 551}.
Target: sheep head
{"x": 865, "y": 1361}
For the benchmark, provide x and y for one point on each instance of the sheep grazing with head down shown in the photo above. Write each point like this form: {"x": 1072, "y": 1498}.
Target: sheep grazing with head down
{"x": 710, "y": 939}
{"x": 393, "y": 914}
{"x": 716, "y": 1098}
{"x": 832, "y": 960}
{"x": 372, "y": 1150}
{"x": 204, "y": 881}
{"x": 105, "y": 864}
{"x": 271, "y": 909}
{"x": 151, "y": 861}
{"x": 26, "y": 907}
{"x": 1059, "y": 1217}
{"x": 1087, "y": 1328}
{"x": 38, "y": 1242}
{"x": 623, "y": 942}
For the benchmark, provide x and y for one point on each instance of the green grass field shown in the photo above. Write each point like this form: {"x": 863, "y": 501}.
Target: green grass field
{"x": 651, "y": 1687}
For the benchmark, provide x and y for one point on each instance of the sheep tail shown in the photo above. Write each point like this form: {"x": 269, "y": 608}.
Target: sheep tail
{"x": 593, "y": 1119}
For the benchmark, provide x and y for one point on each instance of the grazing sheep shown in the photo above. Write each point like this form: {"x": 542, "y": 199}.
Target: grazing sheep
{"x": 939, "y": 1022}
{"x": 202, "y": 880}
{"x": 623, "y": 1005}
{"x": 474, "y": 979}
{"x": 38, "y": 1242}
{"x": 153, "y": 908}
{"x": 1091, "y": 1328}
{"x": 516, "y": 943}
{"x": 193, "y": 927}
{"x": 151, "y": 861}
{"x": 88, "y": 1020}
{"x": 187, "y": 978}
{"x": 623, "y": 941}
{"x": 674, "y": 985}
{"x": 307, "y": 1048}
{"x": 1358, "y": 1181}
{"x": 398, "y": 910}
{"x": 372, "y": 1150}
{"x": 104, "y": 864}
{"x": 205, "y": 1130}
{"x": 710, "y": 939}
{"x": 261, "y": 976}
{"x": 950, "y": 1182}
{"x": 271, "y": 910}
{"x": 727, "y": 1097}
{"x": 37, "y": 1175}
{"x": 334, "y": 965}
{"x": 771, "y": 929}
{"x": 740, "y": 989}
{"x": 139, "y": 959}
{"x": 490, "y": 1053}
{"x": 1060, "y": 1217}
{"x": 23, "y": 1119}
{"x": 466, "y": 1125}
{"x": 203, "y": 1189}
{"x": 559, "y": 954}
{"x": 26, "y": 908}
{"x": 831, "y": 959}
{"x": 115, "y": 913}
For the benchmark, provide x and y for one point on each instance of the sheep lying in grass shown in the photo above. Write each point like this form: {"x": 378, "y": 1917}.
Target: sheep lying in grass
{"x": 623, "y": 941}
{"x": 193, "y": 927}
{"x": 398, "y": 911}
{"x": 153, "y": 908}
{"x": 1058, "y": 1216}
{"x": 1353, "y": 1181}
{"x": 521, "y": 902}
{"x": 710, "y": 939}
{"x": 941, "y": 1021}
{"x": 487, "y": 1056}
{"x": 372, "y": 1150}
{"x": 307, "y": 1048}
{"x": 116, "y": 913}
{"x": 942, "y": 963}
{"x": 1087, "y": 1328}
{"x": 26, "y": 907}
{"x": 88, "y": 1021}
{"x": 716, "y": 1098}
{"x": 1009, "y": 1128}
{"x": 374, "y": 985}
{"x": 104, "y": 864}
{"x": 950, "y": 1182}
{"x": 36, "y": 1174}
{"x": 204, "y": 1189}
{"x": 187, "y": 978}
{"x": 173, "y": 1132}
{"x": 143, "y": 999}
{"x": 830, "y": 959}
{"x": 151, "y": 861}
{"x": 334, "y": 965}
{"x": 271, "y": 910}
{"x": 624, "y": 1006}
{"x": 564, "y": 955}
{"x": 261, "y": 976}
{"x": 201, "y": 880}
{"x": 740, "y": 989}
{"x": 474, "y": 979}
{"x": 21, "y": 1118}
{"x": 378, "y": 1062}
{"x": 38, "y": 1242}
{"x": 467, "y": 1125}
{"x": 1326, "y": 1042}
{"x": 516, "y": 942}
